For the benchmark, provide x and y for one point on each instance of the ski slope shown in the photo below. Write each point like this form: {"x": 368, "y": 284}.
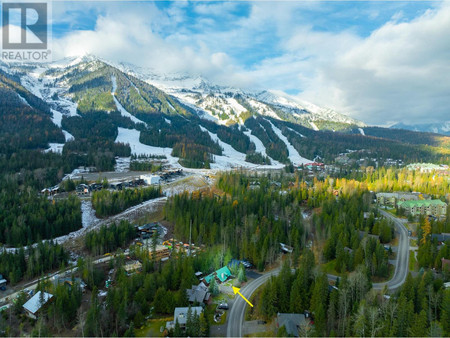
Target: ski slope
{"x": 231, "y": 158}
{"x": 119, "y": 107}
{"x": 294, "y": 156}
{"x": 131, "y": 136}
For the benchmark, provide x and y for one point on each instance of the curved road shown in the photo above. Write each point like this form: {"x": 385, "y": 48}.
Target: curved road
{"x": 402, "y": 261}
{"x": 236, "y": 315}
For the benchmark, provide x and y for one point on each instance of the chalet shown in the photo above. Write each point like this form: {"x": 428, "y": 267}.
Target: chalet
{"x": 292, "y": 322}
{"x": 181, "y": 314}
{"x": 220, "y": 275}
{"x": 199, "y": 294}
{"x": 36, "y": 303}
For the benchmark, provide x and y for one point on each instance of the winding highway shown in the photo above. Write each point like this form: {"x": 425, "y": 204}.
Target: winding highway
{"x": 237, "y": 311}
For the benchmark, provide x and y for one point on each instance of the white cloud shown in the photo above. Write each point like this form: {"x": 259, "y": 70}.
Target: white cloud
{"x": 395, "y": 74}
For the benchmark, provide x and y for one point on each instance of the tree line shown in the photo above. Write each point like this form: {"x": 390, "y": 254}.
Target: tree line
{"x": 107, "y": 203}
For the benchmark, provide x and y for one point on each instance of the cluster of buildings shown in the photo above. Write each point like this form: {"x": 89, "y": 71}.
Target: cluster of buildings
{"x": 413, "y": 203}
{"x": 430, "y": 167}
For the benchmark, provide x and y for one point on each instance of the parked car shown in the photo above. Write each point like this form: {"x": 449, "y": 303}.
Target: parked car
{"x": 223, "y": 306}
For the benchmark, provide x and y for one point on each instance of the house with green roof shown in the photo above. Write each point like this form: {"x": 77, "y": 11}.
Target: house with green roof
{"x": 424, "y": 207}
{"x": 221, "y": 275}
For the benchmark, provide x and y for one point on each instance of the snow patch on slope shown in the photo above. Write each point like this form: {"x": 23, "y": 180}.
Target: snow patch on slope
{"x": 68, "y": 136}
{"x": 313, "y": 125}
{"x": 120, "y": 108}
{"x": 131, "y": 136}
{"x": 295, "y": 131}
{"x": 231, "y": 158}
{"x": 362, "y": 131}
{"x": 23, "y": 100}
{"x": 294, "y": 156}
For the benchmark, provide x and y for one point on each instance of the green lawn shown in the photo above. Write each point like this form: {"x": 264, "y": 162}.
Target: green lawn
{"x": 329, "y": 268}
{"x": 152, "y": 328}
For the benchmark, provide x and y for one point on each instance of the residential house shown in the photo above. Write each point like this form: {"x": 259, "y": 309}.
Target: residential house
{"x": 181, "y": 314}
{"x": 221, "y": 275}
{"x": 199, "y": 294}
{"x": 36, "y": 303}
{"x": 292, "y": 322}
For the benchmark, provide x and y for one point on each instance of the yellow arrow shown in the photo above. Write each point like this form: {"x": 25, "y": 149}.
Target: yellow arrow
{"x": 236, "y": 290}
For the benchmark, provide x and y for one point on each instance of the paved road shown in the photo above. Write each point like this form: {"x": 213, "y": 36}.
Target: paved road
{"x": 402, "y": 262}
{"x": 236, "y": 315}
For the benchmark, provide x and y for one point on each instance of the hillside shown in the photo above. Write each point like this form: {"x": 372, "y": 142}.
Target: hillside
{"x": 100, "y": 111}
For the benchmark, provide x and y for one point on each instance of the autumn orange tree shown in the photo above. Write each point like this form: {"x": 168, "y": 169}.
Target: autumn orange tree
{"x": 426, "y": 230}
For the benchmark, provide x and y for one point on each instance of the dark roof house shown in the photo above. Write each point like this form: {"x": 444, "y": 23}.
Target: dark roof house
{"x": 198, "y": 293}
{"x": 291, "y": 321}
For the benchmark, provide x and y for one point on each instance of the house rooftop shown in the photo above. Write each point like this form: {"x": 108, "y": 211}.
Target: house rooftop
{"x": 420, "y": 203}
{"x": 181, "y": 313}
{"x": 223, "y": 273}
{"x": 291, "y": 321}
{"x": 34, "y": 303}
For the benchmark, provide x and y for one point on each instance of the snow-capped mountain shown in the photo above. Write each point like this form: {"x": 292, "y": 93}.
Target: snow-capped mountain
{"x": 224, "y": 105}
{"x": 438, "y": 128}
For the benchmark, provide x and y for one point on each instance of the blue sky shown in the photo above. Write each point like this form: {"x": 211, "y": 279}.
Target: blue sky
{"x": 358, "y": 57}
